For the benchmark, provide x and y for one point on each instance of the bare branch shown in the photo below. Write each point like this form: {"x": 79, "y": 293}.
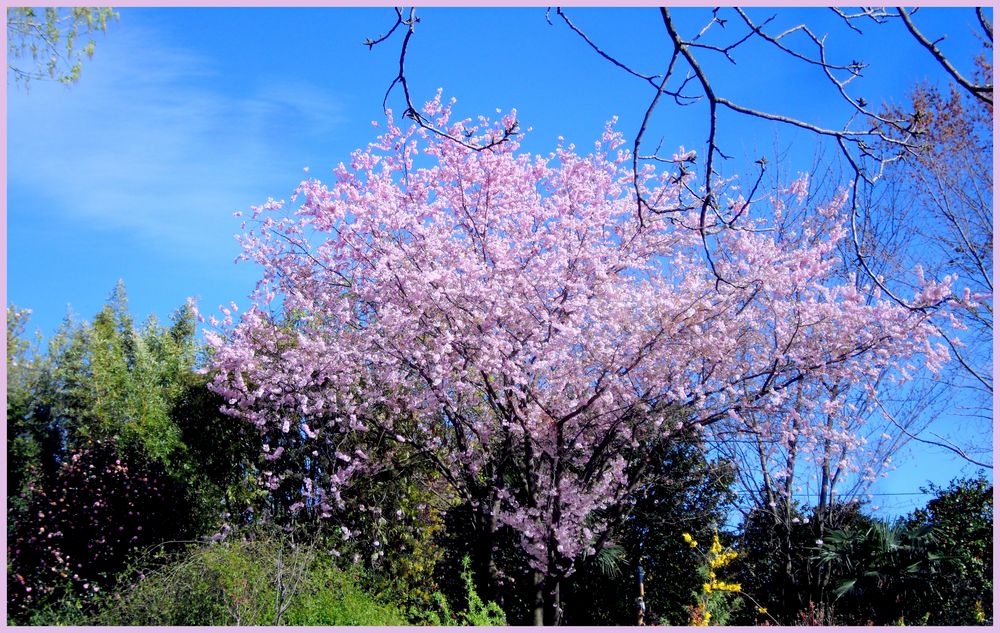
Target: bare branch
{"x": 859, "y": 255}
{"x": 651, "y": 79}
{"x": 399, "y": 20}
{"x": 877, "y": 15}
{"x": 982, "y": 92}
{"x": 411, "y": 110}
{"x": 640, "y": 200}
{"x": 987, "y": 27}
{"x": 942, "y": 444}
{"x": 707, "y": 200}
{"x": 965, "y": 364}
{"x": 762, "y": 165}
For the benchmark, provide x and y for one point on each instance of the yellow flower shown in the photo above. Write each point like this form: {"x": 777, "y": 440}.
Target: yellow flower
{"x": 761, "y": 610}
{"x": 687, "y": 537}
{"x": 716, "y": 545}
{"x": 722, "y": 560}
{"x": 708, "y": 616}
{"x": 707, "y": 587}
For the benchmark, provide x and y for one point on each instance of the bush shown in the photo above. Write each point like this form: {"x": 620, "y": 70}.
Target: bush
{"x": 113, "y": 443}
{"x": 961, "y": 592}
{"x": 81, "y": 526}
{"x": 260, "y": 579}
{"x": 476, "y": 613}
{"x": 334, "y": 598}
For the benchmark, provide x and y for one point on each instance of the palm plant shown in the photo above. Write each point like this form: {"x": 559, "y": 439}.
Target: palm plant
{"x": 881, "y": 568}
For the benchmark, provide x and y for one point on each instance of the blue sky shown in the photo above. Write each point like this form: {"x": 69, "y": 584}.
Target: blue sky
{"x": 187, "y": 115}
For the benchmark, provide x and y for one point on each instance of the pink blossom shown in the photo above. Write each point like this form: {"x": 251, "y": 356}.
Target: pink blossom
{"x": 495, "y": 299}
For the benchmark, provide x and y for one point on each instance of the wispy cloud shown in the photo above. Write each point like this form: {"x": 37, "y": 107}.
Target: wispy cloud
{"x": 156, "y": 140}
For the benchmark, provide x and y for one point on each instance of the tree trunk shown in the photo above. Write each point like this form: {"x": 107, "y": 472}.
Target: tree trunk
{"x": 539, "y": 611}
{"x": 555, "y": 606}
{"x": 483, "y": 559}
{"x": 548, "y": 609}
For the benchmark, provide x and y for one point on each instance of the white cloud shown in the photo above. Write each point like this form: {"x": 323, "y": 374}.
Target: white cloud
{"x": 155, "y": 140}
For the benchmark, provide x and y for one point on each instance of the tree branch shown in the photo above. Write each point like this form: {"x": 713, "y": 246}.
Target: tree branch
{"x": 982, "y": 92}
{"x": 411, "y": 110}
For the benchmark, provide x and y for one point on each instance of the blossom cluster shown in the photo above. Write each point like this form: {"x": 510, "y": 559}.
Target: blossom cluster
{"x": 510, "y": 318}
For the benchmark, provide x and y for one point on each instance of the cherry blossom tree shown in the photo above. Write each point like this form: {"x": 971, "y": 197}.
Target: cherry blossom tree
{"x": 511, "y": 319}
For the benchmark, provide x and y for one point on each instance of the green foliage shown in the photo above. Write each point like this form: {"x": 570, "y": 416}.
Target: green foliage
{"x": 67, "y": 610}
{"x": 135, "y": 387}
{"x": 461, "y": 537}
{"x": 476, "y": 612}
{"x": 960, "y": 592}
{"x": 337, "y": 599}
{"x": 777, "y": 564}
{"x": 879, "y": 570}
{"x": 611, "y": 562}
{"x": 19, "y": 362}
{"x": 134, "y": 380}
{"x": 50, "y": 38}
{"x": 22, "y": 450}
{"x": 261, "y": 578}
{"x": 405, "y": 526}
{"x": 136, "y": 393}
{"x": 217, "y": 451}
{"x": 403, "y": 551}
{"x": 683, "y": 492}
{"x": 933, "y": 566}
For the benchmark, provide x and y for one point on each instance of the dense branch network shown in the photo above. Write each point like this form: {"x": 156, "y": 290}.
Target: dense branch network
{"x": 869, "y": 140}
{"x": 873, "y": 140}
{"x": 511, "y": 320}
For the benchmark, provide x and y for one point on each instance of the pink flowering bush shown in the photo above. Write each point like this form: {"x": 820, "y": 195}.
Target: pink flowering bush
{"x": 510, "y": 319}
{"x": 83, "y": 524}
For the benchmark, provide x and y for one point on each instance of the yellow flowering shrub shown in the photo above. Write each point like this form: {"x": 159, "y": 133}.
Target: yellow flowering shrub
{"x": 718, "y": 597}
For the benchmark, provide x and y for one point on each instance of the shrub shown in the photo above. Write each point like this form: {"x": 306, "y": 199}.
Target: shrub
{"x": 82, "y": 525}
{"x": 715, "y": 601}
{"x": 113, "y": 444}
{"x": 476, "y": 613}
{"x": 259, "y": 579}
{"x": 961, "y": 592}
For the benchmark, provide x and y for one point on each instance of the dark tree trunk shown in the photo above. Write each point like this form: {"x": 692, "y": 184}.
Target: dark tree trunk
{"x": 555, "y": 606}
{"x": 484, "y": 559}
{"x": 548, "y": 606}
{"x": 539, "y": 610}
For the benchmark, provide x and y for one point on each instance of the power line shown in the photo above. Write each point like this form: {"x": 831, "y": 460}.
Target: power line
{"x": 750, "y": 493}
